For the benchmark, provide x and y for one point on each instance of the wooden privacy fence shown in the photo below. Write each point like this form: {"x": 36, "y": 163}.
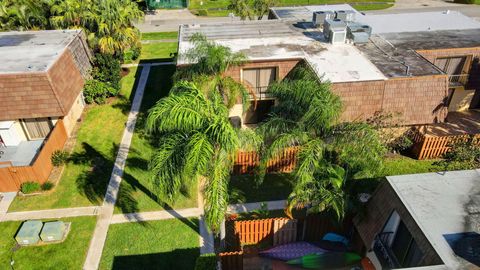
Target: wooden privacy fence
{"x": 427, "y": 146}
{"x": 246, "y": 162}
{"x": 231, "y": 260}
{"x": 12, "y": 177}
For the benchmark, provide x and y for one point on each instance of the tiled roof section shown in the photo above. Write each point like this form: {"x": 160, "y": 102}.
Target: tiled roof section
{"x": 27, "y": 95}
{"x": 41, "y": 94}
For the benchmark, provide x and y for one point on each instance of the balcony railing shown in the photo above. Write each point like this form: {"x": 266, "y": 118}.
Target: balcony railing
{"x": 261, "y": 93}
{"x": 458, "y": 79}
{"x": 383, "y": 252}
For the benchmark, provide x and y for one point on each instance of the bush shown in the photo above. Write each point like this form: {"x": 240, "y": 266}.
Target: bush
{"x": 97, "y": 91}
{"x": 463, "y": 155}
{"x": 464, "y": 1}
{"x": 206, "y": 262}
{"x": 202, "y": 12}
{"x": 29, "y": 187}
{"x": 59, "y": 157}
{"x": 47, "y": 186}
{"x": 107, "y": 69}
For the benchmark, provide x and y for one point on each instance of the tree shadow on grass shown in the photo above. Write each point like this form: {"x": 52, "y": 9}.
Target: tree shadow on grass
{"x": 178, "y": 259}
{"x": 93, "y": 182}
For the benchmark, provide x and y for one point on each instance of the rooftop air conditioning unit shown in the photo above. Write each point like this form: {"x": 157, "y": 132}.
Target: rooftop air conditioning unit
{"x": 345, "y": 15}
{"x": 335, "y": 31}
{"x": 319, "y": 17}
{"x": 359, "y": 33}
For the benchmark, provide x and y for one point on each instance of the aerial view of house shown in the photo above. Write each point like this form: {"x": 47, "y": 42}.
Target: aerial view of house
{"x": 421, "y": 65}
{"x": 240, "y": 135}
{"x": 41, "y": 81}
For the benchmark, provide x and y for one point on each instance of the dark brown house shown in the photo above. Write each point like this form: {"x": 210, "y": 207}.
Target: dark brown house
{"x": 421, "y": 69}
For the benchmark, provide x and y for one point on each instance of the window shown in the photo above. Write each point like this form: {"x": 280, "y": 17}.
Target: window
{"x": 259, "y": 79}
{"x": 399, "y": 241}
{"x": 37, "y": 128}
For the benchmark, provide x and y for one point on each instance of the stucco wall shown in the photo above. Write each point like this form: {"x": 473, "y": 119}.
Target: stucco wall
{"x": 74, "y": 114}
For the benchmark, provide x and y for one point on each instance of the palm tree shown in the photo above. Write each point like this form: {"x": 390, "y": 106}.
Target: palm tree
{"x": 330, "y": 153}
{"x": 108, "y": 23}
{"x": 210, "y": 62}
{"x": 251, "y": 9}
{"x": 23, "y": 14}
{"x": 195, "y": 140}
{"x": 196, "y": 137}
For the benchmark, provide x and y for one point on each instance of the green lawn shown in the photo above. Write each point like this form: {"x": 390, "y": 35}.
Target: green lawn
{"x": 242, "y": 188}
{"x": 210, "y": 5}
{"x": 86, "y": 176}
{"x": 67, "y": 255}
{"x": 166, "y": 244}
{"x": 159, "y": 35}
{"x": 136, "y": 188}
{"x": 399, "y": 165}
{"x": 278, "y": 186}
{"x": 161, "y": 51}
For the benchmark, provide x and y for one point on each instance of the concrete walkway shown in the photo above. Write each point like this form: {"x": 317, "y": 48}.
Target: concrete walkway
{"x": 148, "y": 64}
{"x": 100, "y": 234}
{"x": 51, "y": 213}
{"x": 5, "y": 200}
{"x": 155, "y": 215}
{"x": 248, "y": 207}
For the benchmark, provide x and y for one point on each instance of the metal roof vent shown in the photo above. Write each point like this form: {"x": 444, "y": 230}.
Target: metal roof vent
{"x": 345, "y": 15}
{"x": 319, "y": 17}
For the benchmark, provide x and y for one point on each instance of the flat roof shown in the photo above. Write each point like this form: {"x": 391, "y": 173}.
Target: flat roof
{"x": 442, "y": 203}
{"x": 32, "y": 51}
{"x": 418, "y": 22}
{"x": 386, "y": 23}
{"x": 279, "y": 40}
{"x": 305, "y": 13}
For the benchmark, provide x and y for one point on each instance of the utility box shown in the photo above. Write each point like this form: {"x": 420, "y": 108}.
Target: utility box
{"x": 29, "y": 233}
{"x": 53, "y": 231}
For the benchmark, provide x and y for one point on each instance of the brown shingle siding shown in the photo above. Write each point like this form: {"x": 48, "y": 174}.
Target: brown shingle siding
{"x": 36, "y": 94}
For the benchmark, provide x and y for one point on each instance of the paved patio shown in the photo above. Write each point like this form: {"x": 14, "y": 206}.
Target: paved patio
{"x": 21, "y": 155}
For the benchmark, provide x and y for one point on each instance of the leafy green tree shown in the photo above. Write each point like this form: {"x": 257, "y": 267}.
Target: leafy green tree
{"x": 463, "y": 155}
{"x": 330, "y": 153}
{"x": 108, "y": 23}
{"x": 251, "y": 9}
{"x": 23, "y": 14}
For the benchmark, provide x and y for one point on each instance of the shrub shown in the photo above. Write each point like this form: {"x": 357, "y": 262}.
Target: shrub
{"x": 202, "y": 12}
{"x": 47, "y": 186}
{"x": 463, "y": 155}
{"x": 29, "y": 187}
{"x": 97, "y": 91}
{"x": 107, "y": 69}
{"x": 59, "y": 157}
{"x": 464, "y": 1}
{"x": 206, "y": 262}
